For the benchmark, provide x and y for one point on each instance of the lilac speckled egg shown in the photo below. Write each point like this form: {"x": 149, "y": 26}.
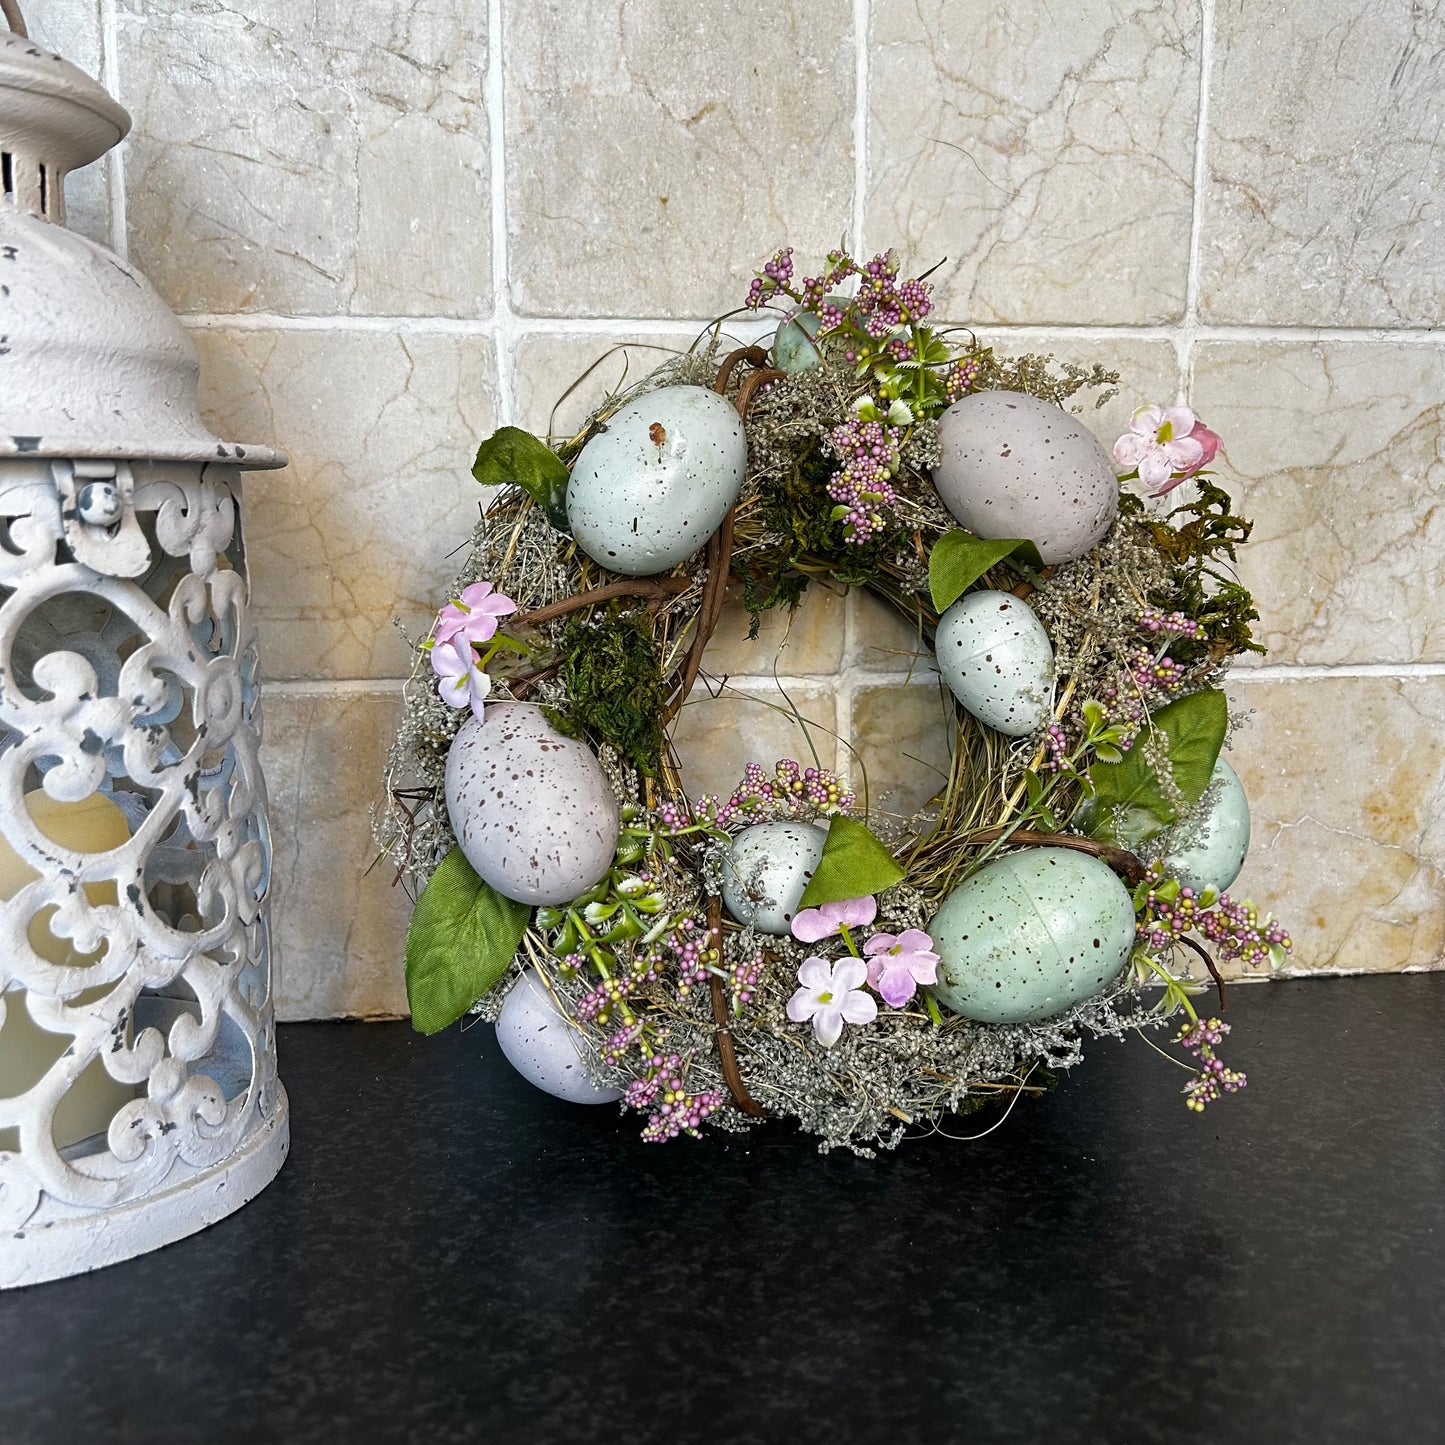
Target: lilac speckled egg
{"x": 541, "y": 1045}
{"x": 532, "y": 810}
{"x": 1016, "y": 466}
{"x": 997, "y": 660}
{"x": 650, "y": 490}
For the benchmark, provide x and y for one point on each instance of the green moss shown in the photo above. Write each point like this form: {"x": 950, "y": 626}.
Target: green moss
{"x": 614, "y": 683}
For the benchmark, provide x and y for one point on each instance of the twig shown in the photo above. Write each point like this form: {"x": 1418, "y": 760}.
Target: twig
{"x": 655, "y": 588}
{"x": 1209, "y": 964}
{"x": 753, "y": 355}
{"x": 1124, "y": 863}
{"x": 742, "y": 1100}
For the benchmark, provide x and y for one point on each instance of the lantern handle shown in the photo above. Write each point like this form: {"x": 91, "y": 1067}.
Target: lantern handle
{"x": 13, "y": 18}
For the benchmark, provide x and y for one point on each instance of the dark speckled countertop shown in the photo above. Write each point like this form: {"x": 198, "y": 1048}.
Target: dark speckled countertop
{"x": 451, "y": 1256}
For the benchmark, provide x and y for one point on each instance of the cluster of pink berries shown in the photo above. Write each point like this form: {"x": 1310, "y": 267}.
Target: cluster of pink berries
{"x": 1056, "y": 748}
{"x": 791, "y": 792}
{"x": 961, "y": 377}
{"x": 743, "y": 980}
{"x": 1233, "y": 928}
{"x": 868, "y": 451}
{"x": 1177, "y": 624}
{"x": 1151, "y": 681}
{"x": 664, "y": 1091}
{"x": 1213, "y": 1080}
{"x": 686, "y": 946}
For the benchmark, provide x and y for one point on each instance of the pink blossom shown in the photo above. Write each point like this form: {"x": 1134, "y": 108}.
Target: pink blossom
{"x": 813, "y": 924}
{"x": 897, "y": 964}
{"x": 473, "y": 615}
{"x": 831, "y": 995}
{"x": 1165, "y": 445}
{"x": 462, "y": 680}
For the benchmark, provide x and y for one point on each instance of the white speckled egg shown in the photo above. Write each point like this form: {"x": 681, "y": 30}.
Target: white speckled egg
{"x": 541, "y": 1045}
{"x": 997, "y": 660}
{"x": 532, "y": 810}
{"x": 1030, "y": 935}
{"x": 1207, "y": 850}
{"x": 794, "y": 348}
{"x": 768, "y": 869}
{"x": 1016, "y": 466}
{"x": 650, "y": 490}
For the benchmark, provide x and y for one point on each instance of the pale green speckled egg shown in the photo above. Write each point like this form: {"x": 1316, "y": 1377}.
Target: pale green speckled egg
{"x": 1208, "y": 851}
{"x": 1030, "y": 935}
{"x": 997, "y": 660}
{"x": 794, "y": 349}
{"x": 649, "y": 491}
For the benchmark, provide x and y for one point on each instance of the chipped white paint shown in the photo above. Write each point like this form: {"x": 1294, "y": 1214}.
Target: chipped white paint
{"x": 127, "y": 668}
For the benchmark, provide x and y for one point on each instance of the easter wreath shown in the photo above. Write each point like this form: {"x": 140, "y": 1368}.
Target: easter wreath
{"x": 780, "y": 952}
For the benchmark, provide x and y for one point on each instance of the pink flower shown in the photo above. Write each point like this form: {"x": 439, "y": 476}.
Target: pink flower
{"x": 831, "y": 995}
{"x": 897, "y": 964}
{"x": 813, "y": 924}
{"x": 1165, "y": 445}
{"x": 462, "y": 681}
{"x": 473, "y": 615}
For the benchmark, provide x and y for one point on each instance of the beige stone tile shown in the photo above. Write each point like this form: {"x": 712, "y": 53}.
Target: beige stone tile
{"x": 1047, "y": 154}
{"x": 882, "y": 640}
{"x": 658, "y": 153}
{"x": 299, "y": 159}
{"x": 1337, "y": 451}
{"x": 73, "y": 30}
{"x": 1346, "y": 781}
{"x": 901, "y": 736}
{"x": 800, "y": 643}
{"x": 364, "y": 524}
{"x": 339, "y": 929}
{"x": 1322, "y": 205}
{"x": 561, "y": 380}
{"x": 716, "y": 737}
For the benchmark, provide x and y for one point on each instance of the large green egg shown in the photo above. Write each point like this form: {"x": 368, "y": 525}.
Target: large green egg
{"x": 1030, "y": 935}
{"x": 1207, "y": 851}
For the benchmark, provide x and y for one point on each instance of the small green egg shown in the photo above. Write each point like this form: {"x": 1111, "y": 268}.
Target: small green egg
{"x": 1208, "y": 851}
{"x": 1030, "y": 935}
{"x": 794, "y": 349}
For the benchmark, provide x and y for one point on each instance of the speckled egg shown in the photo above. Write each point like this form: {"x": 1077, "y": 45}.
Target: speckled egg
{"x": 532, "y": 810}
{"x": 542, "y": 1046}
{"x": 650, "y": 490}
{"x": 1030, "y": 935}
{"x": 1207, "y": 851}
{"x": 997, "y": 660}
{"x": 794, "y": 349}
{"x": 769, "y": 867}
{"x": 1016, "y": 466}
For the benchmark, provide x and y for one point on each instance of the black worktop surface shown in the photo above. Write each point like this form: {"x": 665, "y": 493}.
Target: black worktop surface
{"x": 450, "y": 1255}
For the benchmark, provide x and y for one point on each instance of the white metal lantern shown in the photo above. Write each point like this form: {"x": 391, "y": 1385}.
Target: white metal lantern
{"x": 139, "y": 1100}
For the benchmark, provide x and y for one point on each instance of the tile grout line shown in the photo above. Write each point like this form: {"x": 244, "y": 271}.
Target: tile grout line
{"x": 115, "y": 161}
{"x": 853, "y": 676}
{"x": 1189, "y": 328}
{"x": 862, "y": 81}
{"x": 501, "y": 331}
{"x": 619, "y": 327}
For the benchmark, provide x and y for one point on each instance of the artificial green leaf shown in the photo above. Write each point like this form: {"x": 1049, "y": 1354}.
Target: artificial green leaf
{"x": 513, "y": 455}
{"x": 463, "y": 934}
{"x": 854, "y": 863}
{"x": 1128, "y": 805}
{"x": 959, "y": 559}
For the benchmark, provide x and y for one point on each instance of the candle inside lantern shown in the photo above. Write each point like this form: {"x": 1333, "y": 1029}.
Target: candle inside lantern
{"x": 94, "y": 825}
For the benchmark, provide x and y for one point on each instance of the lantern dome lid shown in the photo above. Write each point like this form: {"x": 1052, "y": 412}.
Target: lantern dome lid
{"x": 92, "y": 361}
{"x": 53, "y": 111}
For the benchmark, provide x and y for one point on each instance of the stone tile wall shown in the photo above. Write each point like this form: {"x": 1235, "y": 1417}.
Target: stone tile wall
{"x": 394, "y": 226}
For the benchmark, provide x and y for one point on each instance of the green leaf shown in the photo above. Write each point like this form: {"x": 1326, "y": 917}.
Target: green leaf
{"x": 513, "y": 455}
{"x": 854, "y": 863}
{"x": 1193, "y": 729}
{"x": 463, "y": 934}
{"x": 959, "y": 559}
